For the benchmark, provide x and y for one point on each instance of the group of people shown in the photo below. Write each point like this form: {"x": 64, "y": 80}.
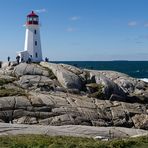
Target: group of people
{"x": 17, "y": 59}
{"x": 22, "y": 60}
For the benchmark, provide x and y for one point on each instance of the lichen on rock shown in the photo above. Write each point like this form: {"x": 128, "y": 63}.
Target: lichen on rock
{"x": 60, "y": 94}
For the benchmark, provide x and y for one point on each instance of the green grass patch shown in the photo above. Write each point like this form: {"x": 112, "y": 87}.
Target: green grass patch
{"x": 51, "y": 74}
{"x": 5, "y": 81}
{"x": 40, "y": 141}
{"x": 4, "y": 92}
{"x": 97, "y": 90}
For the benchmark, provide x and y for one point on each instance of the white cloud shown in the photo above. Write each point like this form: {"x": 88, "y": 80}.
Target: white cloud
{"x": 74, "y": 18}
{"x": 41, "y": 10}
{"x": 71, "y": 29}
{"x": 132, "y": 23}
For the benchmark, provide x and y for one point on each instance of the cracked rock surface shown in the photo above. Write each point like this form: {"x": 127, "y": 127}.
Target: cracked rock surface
{"x": 71, "y": 130}
{"x": 62, "y": 95}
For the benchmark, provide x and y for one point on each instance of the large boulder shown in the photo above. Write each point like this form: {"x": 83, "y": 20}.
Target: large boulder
{"x": 36, "y": 82}
{"x": 29, "y": 69}
{"x": 67, "y": 79}
{"x": 109, "y": 87}
{"x": 119, "y": 86}
{"x": 73, "y": 69}
{"x": 128, "y": 84}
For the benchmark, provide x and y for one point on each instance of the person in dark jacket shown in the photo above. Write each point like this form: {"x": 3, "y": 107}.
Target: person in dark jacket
{"x": 46, "y": 59}
{"x": 18, "y": 59}
{"x": 8, "y": 58}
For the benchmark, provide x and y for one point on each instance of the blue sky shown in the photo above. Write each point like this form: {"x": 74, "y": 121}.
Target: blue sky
{"x": 78, "y": 29}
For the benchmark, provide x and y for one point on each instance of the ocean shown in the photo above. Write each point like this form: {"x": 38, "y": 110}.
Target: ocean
{"x": 136, "y": 69}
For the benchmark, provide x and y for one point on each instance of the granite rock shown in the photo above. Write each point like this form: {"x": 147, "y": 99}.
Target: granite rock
{"x": 73, "y": 97}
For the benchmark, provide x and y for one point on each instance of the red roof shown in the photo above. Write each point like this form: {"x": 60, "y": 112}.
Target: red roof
{"x": 32, "y": 14}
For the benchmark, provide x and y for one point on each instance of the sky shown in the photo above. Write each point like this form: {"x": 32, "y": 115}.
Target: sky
{"x": 78, "y": 30}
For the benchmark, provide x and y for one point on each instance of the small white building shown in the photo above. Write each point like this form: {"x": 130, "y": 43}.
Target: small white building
{"x": 32, "y": 47}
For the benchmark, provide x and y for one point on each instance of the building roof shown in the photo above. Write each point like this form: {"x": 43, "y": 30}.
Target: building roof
{"x": 32, "y": 14}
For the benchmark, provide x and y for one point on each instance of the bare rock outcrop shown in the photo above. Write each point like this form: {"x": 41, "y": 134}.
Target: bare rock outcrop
{"x": 29, "y": 69}
{"x": 34, "y": 82}
{"x": 71, "y": 130}
{"x": 67, "y": 78}
{"x": 60, "y": 94}
{"x": 65, "y": 109}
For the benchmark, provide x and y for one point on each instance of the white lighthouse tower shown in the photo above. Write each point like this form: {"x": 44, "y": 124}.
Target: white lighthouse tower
{"x": 32, "y": 47}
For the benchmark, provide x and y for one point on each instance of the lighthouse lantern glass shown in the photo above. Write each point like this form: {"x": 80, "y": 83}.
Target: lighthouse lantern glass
{"x": 32, "y": 20}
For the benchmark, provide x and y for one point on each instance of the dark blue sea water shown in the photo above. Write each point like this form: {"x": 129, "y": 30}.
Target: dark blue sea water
{"x": 137, "y": 69}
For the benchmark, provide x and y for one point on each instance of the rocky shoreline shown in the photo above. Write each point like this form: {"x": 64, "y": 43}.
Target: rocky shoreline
{"x": 60, "y": 94}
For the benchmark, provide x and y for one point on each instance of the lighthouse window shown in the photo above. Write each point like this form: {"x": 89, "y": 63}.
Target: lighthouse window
{"x": 35, "y": 19}
{"x": 36, "y": 54}
{"x": 35, "y": 43}
{"x": 34, "y": 31}
{"x": 30, "y": 19}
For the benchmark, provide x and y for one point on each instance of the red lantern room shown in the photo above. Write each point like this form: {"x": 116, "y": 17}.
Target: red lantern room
{"x": 32, "y": 19}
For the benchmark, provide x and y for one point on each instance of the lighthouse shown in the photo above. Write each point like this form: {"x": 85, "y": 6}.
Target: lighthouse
{"x": 32, "y": 48}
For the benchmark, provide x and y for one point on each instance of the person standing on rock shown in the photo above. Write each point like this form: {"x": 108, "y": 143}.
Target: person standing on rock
{"x": 22, "y": 59}
{"x": 8, "y": 59}
{"x": 30, "y": 59}
{"x": 46, "y": 59}
{"x": 18, "y": 59}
